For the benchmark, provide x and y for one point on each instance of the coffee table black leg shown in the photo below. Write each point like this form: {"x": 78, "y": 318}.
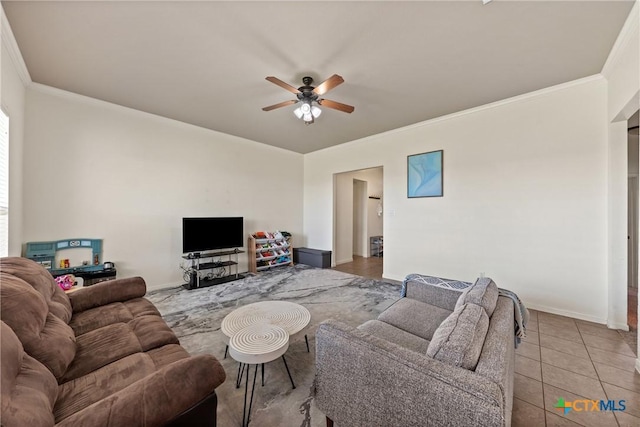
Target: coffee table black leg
{"x": 226, "y": 349}
{"x": 285, "y": 365}
{"x": 255, "y": 374}
{"x": 263, "y": 375}
{"x": 244, "y": 407}
{"x": 305, "y": 340}
{"x": 239, "y": 377}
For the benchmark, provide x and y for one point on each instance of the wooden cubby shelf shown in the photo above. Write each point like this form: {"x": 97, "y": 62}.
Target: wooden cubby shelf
{"x": 272, "y": 250}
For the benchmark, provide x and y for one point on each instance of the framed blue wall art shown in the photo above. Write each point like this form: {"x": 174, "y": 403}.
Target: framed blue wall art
{"x": 424, "y": 174}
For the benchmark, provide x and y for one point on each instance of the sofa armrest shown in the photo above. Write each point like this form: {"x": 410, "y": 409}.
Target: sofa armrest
{"x": 103, "y": 293}
{"x": 435, "y": 295}
{"x": 362, "y": 380}
{"x": 156, "y": 399}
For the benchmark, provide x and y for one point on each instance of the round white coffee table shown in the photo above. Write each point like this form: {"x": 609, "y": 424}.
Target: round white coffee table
{"x": 257, "y": 344}
{"x": 290, "y": 316}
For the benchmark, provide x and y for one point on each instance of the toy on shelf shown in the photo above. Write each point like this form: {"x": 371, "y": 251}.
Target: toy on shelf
{"x": 66, "y": 281}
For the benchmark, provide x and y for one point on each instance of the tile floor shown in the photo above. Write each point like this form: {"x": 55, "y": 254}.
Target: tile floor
{"x": 573, "y": 359}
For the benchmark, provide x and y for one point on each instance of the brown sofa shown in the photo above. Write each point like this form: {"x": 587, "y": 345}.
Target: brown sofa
{"x": 100, "y": 356}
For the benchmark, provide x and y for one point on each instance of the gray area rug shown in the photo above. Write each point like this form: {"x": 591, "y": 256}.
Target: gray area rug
{"x": 195, "y": 316}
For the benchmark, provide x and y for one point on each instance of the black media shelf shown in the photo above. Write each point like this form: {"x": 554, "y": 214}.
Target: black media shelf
{"x": 197, "y": 264}
{"x": 205, "y": 283}
{"x": 208, "y": 265}
{"x": 213, "y": 254}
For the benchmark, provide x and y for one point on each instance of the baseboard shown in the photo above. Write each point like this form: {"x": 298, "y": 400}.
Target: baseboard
{"x": 638, "y": 365}
{"x": 344, "y": 261}
{"x": 163, "y": 286}
{"x": 389, "y": 280}
{"x": 616, "y": 325}
{"x": 567, "y": 313}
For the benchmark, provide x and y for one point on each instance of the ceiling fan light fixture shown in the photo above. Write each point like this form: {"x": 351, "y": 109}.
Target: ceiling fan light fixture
{"x": 307, "y": 112}
{"x": 308, "y": 118}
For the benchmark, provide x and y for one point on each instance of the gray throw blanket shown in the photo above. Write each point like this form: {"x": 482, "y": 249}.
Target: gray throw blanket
{"x": 521, "y": 314}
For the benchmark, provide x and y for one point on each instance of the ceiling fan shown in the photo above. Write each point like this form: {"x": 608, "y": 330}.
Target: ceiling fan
{"x": 307, "y": 95}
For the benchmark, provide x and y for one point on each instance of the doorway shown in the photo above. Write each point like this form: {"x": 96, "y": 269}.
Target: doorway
{"x": 358, "y": 220}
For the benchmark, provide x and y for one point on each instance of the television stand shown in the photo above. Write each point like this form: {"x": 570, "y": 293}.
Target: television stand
{"x": 202, "y": 261}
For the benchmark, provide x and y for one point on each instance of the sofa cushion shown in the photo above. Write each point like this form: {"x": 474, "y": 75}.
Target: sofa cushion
{"x": 395, "y": 335}
{"x": 459, "y": 339}
{"x": 159, "y": 398}
{"x": 84, "y": 391}
{"x": 167, "y": 354}
{"x": 483, "y": 292}
{"x": 117, "y": 312}
{"x": 42, "y": 281}
{"x": 28, "y": 388}
{"x": 44, "y": 336}
{"x": 110, "y": 343}
{"x": 417, "y": 318}
{"x": 152, "y": 332}
{"x": 100, "y": 347}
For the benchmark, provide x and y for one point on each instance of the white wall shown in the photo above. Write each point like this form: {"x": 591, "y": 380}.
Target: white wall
{"x": 621, "y": 70}
{"x": 14, "y": 77}
{"x": 343, "y": 247}
{"x": 98, "y": 170}
{"x": 360, "y": 217}
{"x": 617, "y": 225}
{"x": 525, "y": 197}
{"x": 374, "y": 222}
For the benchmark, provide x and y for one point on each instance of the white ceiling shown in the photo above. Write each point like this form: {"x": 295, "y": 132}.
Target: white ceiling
{"x": 205, "y": 63}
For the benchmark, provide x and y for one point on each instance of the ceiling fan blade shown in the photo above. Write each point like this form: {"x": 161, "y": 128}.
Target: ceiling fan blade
{"x": 282, "y": 84}
{"x": 282, "y": 104}
{"x": 336, "y": 105}
{"x": 328, "y": 84}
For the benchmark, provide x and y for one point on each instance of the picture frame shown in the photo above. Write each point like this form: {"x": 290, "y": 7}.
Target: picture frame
{"x": 425, "y": 174}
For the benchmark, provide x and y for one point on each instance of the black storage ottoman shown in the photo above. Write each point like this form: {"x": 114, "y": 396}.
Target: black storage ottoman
{"x": 313, "y": 257}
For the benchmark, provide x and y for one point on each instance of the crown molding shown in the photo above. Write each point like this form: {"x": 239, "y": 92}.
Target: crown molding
{"x": 121, "y": 109}
{"x": 9, "y": 41}
{"x": 496, "y": 104}
{"x": 628, "y": 33}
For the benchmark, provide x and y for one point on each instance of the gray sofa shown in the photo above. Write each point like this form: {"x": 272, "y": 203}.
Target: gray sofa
{"x": 437, "y": 357}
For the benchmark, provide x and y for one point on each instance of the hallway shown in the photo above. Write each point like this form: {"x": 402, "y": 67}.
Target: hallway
{"x": 370, "y": 268}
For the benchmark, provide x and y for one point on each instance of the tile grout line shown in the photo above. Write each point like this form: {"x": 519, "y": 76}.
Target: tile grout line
{"x": 560, "y": 388}
{"x": 564, "y": 352}
{"x": 596, "y": 370}
{"x": 544, "y": 403}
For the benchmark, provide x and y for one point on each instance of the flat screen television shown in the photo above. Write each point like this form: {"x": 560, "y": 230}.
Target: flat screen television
{"x": 204, "y": 234}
